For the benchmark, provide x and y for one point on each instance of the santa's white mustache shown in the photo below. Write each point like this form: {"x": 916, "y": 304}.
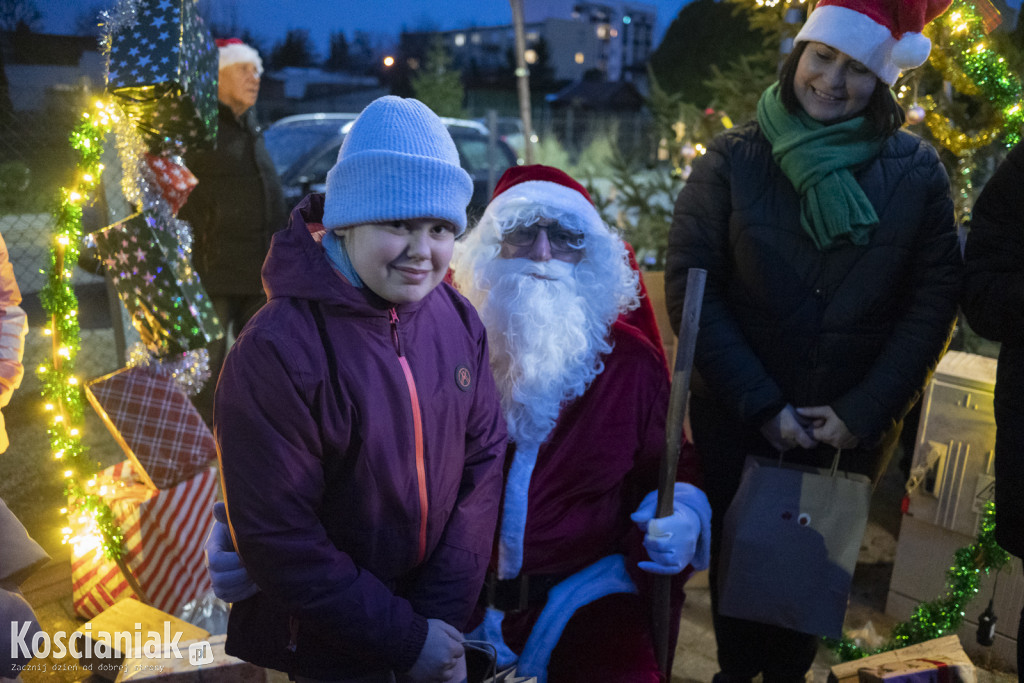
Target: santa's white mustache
{"x": 524, "y": 267}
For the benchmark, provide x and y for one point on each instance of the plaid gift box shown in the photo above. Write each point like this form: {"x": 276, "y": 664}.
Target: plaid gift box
{"x": 173, "y": 178}
{"x": 154, "y": 422}
{"x": 164, "y": 534}
{"x": 163, "y": 73}
{"x": 158, "y": 286}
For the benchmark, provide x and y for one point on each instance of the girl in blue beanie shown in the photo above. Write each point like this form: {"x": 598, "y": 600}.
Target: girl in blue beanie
{"x": 358, "y": 427}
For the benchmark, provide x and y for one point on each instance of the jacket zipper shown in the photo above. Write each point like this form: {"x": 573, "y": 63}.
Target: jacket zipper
{"x": 421, "y": 470}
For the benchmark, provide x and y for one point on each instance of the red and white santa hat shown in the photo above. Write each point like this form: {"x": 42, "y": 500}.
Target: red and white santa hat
{"x": 550, "y": 188}
{"x": 234, "y": 51}
{"x": 883, "y": 35}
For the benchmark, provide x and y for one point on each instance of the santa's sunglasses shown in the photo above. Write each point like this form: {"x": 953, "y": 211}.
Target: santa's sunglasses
{"x": 561, "y": 239}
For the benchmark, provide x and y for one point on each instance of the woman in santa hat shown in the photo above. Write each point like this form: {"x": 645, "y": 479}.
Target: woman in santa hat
{"x": 830, "y": 242}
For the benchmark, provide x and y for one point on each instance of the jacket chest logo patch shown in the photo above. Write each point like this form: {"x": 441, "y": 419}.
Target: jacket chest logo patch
{"x": 463, "y": 378}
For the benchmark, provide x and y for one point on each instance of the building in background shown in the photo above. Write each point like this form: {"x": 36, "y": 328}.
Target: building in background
{"x": 569, "y": 37}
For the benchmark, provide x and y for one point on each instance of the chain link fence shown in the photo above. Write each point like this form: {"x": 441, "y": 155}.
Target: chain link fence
{"x": 35, "y": 151}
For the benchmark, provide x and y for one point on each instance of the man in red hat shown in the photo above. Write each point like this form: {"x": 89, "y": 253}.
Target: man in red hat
{"x": 237, "y": 205}
{"x": 585, "y": 397}
{"x": 584, "y": 391}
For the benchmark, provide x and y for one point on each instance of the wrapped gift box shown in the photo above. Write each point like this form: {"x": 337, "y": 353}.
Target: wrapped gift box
{"x": 118, "y": 624}
{"x": 157, "y": 284}
{"x": 163, "y": 73}
{"x": 202, "y": 661}
{"x": 155, "y": 424}
{"x": 940, "y": 659}
{"x": 164, "y": 532}
{"x": 925, "y": 670}
{"x": 173, "y": 178}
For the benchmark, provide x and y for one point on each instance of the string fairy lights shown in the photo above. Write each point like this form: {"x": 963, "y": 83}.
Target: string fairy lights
{"x": 964, "y": 56}
{"x": 61, "y": 388}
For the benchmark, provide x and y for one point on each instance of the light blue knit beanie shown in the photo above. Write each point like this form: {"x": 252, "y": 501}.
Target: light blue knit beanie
{"x": 398, "y": 161}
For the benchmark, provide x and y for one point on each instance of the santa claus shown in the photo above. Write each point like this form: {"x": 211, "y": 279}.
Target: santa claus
{"x": 585, "y": 396}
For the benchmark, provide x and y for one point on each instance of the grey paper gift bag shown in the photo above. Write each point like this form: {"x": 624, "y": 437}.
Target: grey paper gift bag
{"x": 790, "y": 542}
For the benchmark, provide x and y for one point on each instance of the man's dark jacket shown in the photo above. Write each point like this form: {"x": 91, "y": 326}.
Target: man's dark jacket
{"x": 236, "y": 207}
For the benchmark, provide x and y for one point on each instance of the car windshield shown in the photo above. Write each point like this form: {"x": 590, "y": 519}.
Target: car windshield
{"x": 288, "y": 144}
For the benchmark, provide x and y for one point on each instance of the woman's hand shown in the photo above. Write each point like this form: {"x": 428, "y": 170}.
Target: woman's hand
{"x": 828, "y": 427}
{"x": 788, "y": 430}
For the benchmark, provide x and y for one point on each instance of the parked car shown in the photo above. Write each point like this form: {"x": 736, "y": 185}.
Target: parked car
{"x": 510, "y": 131}
{"x": 304, "y": 147}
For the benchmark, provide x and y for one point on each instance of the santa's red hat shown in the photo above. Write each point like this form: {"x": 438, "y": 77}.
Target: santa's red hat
{"x": 883, "y": 35}
{"x": 234, "y": 51}
{"x": 548, "y": 187}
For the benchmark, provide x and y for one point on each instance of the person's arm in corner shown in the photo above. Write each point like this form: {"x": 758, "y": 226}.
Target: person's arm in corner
{"x": 993, "y": 293}
{"x": 13, "y": 328}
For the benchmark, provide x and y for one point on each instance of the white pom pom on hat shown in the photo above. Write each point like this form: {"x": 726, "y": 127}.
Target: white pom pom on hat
{"x": 883, "y": 35}
{"x": 911, "y": 50}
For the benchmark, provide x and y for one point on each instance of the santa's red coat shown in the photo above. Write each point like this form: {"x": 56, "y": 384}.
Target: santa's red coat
{"x": 598, "y": 463}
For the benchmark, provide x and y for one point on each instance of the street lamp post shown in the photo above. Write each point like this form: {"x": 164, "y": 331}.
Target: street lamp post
{"x": 522, "y": 79}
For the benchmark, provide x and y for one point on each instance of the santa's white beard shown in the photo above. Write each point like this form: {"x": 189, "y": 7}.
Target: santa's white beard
{"x": 546, "y": 345}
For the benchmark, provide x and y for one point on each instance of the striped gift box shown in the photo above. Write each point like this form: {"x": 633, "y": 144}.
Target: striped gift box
{"x": 164, "y": 533}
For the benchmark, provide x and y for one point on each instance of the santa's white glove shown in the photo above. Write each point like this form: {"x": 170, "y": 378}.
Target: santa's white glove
{"x": 231, "y": 580}
{"x": 682, "y": 538}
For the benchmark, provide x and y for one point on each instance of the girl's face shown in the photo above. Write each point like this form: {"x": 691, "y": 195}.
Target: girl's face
{"x": 401, "y": 261}
{"x": 830, "y": 85}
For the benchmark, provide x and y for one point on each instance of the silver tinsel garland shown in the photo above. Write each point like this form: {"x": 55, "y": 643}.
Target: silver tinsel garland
{"x": 189, "y": 370}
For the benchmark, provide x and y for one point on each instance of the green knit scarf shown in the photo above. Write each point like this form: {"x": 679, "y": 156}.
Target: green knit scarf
{"x": 817, "y": 159}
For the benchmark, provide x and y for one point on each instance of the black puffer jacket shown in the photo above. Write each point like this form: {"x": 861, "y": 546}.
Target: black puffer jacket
{"x": 858, "y": 328}
{"x": 235, "y": 209}
{"x": 993, "y": 302}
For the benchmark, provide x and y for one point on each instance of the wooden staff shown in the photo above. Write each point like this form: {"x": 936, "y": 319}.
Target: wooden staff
{"x": 688, "y": 327}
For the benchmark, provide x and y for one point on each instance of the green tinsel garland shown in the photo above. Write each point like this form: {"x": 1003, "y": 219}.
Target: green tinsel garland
{"x": 61, "y": 389}
{"x": 963, "y": 43}
{"x": 944, "y": 615}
